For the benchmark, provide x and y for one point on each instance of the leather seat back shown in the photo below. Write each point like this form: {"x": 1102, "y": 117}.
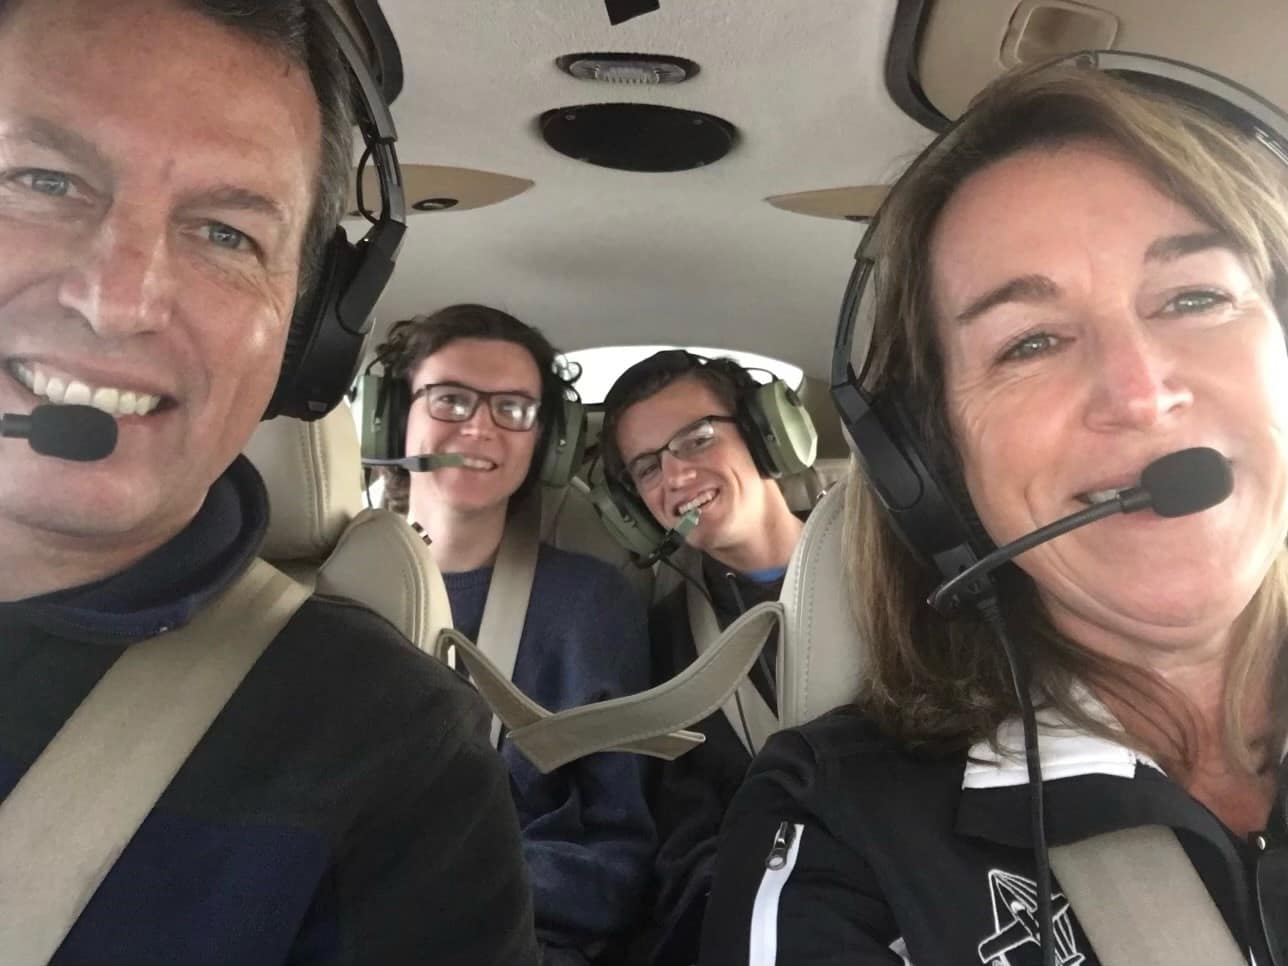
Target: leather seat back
{"x": 320, "y": 534}
{"x": 823, "y": 657}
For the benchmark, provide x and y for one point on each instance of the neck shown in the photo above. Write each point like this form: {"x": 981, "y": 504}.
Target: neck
{"x": 1217, "y": 774}
{"x": 771, "y": 545}
{"x": 461, "y": 540}
{"x": 33, "y": 563}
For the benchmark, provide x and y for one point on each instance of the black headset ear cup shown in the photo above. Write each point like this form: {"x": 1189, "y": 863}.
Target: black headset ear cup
{"x": 777, "y": 428}
{"x": 322, "y": 356}
{"x": 883, "y": 437}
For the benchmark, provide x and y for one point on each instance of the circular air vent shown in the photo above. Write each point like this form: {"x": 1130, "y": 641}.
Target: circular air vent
{"x": 638, "y": 137}
{"x": 646, "y": 69}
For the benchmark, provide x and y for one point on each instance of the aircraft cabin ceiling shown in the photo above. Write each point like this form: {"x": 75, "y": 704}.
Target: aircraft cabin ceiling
{"x": 732, "y": 253}
{"x": 598, "y": 256}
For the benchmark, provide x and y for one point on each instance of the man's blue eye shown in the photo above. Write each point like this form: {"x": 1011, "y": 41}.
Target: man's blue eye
{"x": 50, "y": 183}
{"x": 226, "y": 236}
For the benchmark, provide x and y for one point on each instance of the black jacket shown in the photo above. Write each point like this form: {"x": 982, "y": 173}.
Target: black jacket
{"x": 344, "y": 807}
{"x": 879, "y": 854}
{"x": 691, "y": 794}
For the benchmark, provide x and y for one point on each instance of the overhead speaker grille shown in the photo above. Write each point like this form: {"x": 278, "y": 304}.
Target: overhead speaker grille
{"x": 638, "y": 137}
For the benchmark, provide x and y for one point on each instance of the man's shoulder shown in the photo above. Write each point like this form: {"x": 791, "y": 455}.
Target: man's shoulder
{"x": 336, "y": 652}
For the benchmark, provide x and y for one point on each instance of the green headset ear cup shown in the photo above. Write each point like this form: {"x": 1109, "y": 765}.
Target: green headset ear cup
{"x": 384, "y": 420}
{"x": 565, "y": 445}
{"x": 786, "y": 432}
{"x": 627, "y": 519}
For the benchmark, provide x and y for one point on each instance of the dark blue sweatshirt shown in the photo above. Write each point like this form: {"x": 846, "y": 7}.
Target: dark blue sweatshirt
{"x": 587, "y": 833}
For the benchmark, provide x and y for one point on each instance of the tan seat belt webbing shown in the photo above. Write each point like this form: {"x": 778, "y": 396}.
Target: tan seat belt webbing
{"x": 71, "y": 815}
{"x": 754, "y": 721}
{"x": 506, "y": 607}
{"x": 645, "y": 723}
{"x": 1140, "y": 901}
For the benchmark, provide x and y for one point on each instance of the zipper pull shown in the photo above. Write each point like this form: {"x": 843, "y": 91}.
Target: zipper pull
{"x": 783, "y": 840}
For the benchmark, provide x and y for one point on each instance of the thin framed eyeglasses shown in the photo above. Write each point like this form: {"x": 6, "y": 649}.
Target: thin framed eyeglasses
{"x": 645, "y": 470}
{"x": 452, "y": 402}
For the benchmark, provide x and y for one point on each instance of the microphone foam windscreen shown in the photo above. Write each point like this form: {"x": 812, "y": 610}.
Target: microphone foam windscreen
{"x": 1187, "y": 481}
{"x": 80, "y": 433}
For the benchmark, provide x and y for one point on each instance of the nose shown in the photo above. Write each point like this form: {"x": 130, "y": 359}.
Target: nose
{"x": 675, "y": 471}
{"x": 122, "y": 282}
{"x": 480, "y": 424}
{"x": 1137, "y": 383}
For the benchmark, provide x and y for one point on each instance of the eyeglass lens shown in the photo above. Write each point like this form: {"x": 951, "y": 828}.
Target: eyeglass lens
{"x": 456, "y": 404}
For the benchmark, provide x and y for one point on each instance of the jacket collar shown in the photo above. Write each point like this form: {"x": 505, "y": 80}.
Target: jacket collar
{"x": 1065, "y": 752}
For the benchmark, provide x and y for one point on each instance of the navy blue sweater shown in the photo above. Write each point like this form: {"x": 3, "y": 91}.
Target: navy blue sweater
{"x": 587, "y": 834}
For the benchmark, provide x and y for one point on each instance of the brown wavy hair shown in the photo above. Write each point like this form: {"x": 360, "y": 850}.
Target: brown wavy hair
{"x": 946, "y": 685}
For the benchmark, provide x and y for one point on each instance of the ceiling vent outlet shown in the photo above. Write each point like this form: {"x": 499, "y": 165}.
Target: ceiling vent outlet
{"x": 645, "y": 70}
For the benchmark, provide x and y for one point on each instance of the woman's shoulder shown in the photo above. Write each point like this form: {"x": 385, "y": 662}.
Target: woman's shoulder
{"x": 845, "y": 754}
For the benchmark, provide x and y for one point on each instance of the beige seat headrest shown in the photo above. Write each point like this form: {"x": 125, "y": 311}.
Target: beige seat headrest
{"x": 314, "y": 479}
{"x": 823, "y": 657}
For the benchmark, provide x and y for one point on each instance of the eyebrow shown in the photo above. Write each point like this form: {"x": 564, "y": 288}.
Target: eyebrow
{"x": 1039, "y": 288}
{"x": 1176, "y": 246}
{"x": 1025, "y": 288}
{"x": 233, "y": 198}
{"x": 49, "y": 135}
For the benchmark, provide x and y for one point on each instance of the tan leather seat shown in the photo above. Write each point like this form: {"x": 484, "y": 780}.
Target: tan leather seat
{"x": 822, "y": 658}
{"x": 320, "y": 534}
{"x": 569, "y": 522}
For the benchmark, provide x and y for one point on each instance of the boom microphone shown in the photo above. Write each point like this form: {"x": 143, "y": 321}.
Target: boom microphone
{"x": 673, "y": 539}
{"x": 80, "y": 433}
{"x": 1174, "y": 485}
{"x": 424, "y": 463}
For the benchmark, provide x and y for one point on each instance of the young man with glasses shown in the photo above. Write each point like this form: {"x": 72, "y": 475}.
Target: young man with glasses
{"x": 487, "y": 387}
{"x": 672, "y": 441}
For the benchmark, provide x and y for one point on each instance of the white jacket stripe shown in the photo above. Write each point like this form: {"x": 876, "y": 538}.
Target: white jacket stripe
{"x": 763, "y": 948}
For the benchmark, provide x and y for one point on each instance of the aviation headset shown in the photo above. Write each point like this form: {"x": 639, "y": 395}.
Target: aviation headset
{"x": 333, "y": 318}
{"x": 770, "y": 419}
{"x": 387, "y": 401}
{"x": 880, "y": 426}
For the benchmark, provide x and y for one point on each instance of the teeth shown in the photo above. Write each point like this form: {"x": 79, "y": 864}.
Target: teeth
{"x": 700, "y": 500}
{"x": 78, "y": 394}
{"x": 115, "y": 402}
{"x": 107, "y": 400}
{"x": 474, "y": 463}
{"x": 1100, "y": 496}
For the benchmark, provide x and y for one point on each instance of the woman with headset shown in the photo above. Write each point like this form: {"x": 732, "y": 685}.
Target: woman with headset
{"x": 1085, "y": 274}
{"x": 476, "y": 384}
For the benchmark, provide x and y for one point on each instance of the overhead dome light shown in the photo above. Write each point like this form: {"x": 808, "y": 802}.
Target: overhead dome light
{"x": 649, "y": 70}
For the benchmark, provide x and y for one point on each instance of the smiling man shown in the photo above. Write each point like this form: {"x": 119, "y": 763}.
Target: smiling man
{"x": 672, "y": 439}
{"x": 169, "y": 172}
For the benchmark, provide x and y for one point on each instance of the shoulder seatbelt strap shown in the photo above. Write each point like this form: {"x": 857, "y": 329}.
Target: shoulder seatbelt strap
{"x": 70, "y": 816}
{"x": 506, "y": 607}
{"x": 647, "y": 723}
{"x": 752, "y": 718}
{"x": 1140, "y": 901}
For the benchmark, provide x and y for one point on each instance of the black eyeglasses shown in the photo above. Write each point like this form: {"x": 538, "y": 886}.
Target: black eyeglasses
{"x": 645, "y": 470}
{"x": 452, "y": 402}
